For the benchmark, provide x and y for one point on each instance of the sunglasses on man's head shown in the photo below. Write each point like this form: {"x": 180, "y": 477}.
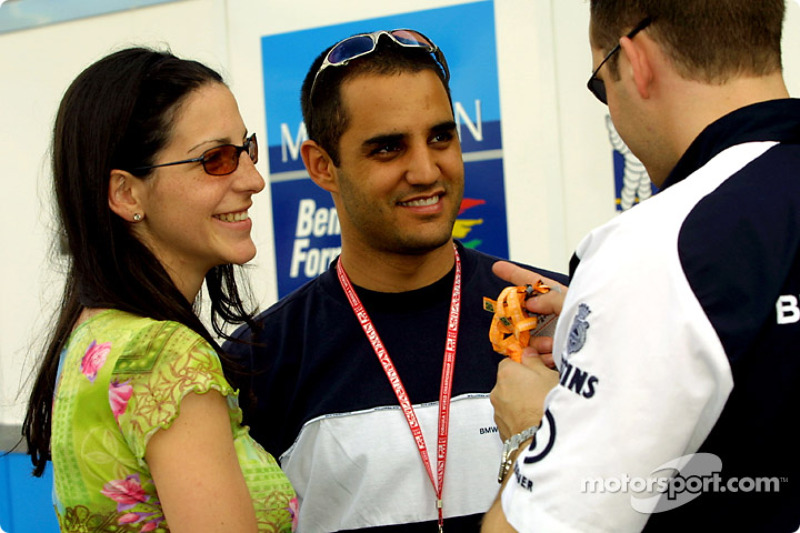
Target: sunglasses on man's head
{"x": 597, "y": 86}
{"x": 365, "y": 43}
{"x": 218, "y": 161}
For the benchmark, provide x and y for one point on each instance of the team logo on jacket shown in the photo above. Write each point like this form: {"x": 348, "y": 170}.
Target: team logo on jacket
{"x": 577, "y": 333}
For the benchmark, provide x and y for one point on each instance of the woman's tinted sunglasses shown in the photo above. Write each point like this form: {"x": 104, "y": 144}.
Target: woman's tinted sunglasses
{"x": 218, "y": 161}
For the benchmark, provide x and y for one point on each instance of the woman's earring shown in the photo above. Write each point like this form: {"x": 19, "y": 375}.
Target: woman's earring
{"x": 137, "y": 217}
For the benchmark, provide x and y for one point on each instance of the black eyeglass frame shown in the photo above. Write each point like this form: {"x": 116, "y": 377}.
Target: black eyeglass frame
{"x": 432, "y": 48}
{"x": 250, "y": 146}
{"x": 597, "y": 86}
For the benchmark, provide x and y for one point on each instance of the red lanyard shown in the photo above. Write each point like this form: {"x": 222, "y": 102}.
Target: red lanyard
{"x": 397, "y": 385}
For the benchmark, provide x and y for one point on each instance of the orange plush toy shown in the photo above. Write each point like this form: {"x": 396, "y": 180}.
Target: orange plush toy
{"x": 512, "y": 325}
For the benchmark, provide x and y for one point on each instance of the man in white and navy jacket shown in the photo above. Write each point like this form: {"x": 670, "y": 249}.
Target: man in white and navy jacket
{"x": 678, "y": 342}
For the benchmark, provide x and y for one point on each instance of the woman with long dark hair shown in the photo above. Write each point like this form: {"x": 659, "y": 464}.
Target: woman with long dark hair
{"x": 135, "y": 402}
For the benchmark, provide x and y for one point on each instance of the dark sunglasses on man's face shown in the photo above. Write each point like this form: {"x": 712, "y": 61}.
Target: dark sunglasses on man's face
{"x": 597, "y": 86}
{"x": 218, "y": 161}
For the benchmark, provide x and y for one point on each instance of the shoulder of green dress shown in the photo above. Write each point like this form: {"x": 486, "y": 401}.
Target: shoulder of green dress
{"x": 151, "y": 343}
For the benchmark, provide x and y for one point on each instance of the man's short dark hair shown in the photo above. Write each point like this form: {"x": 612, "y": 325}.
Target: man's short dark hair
{"x": 325, "y": 116}
{"x": 707, "y": 40}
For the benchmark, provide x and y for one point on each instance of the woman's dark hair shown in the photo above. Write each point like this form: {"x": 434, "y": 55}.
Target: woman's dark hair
{"x": 118, "y": 114}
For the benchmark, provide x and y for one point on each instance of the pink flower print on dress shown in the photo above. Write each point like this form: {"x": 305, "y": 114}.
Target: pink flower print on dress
{"x": 129, "y": 518}
{"x": 94, "y": 359}
{"x": 152, "y": 525}
{"x": 294, "y": 508}
{"x": 126, "y": 492}
{"x": 118, "y": 396}
{"x": 136, "y": 518}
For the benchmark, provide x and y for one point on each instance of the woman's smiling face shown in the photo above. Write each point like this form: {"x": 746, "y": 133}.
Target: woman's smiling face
{"x": 194, "y": 221}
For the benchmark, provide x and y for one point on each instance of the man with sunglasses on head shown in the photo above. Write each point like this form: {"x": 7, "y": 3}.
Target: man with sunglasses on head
{"x": 678, "y": 340}
{"x": 375, "y": 392}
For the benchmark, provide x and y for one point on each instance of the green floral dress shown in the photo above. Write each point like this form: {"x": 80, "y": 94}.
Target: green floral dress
{"x": 121, "y": 379}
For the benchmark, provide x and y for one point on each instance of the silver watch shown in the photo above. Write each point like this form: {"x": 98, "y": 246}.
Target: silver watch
{"x": 510, "y": 446}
